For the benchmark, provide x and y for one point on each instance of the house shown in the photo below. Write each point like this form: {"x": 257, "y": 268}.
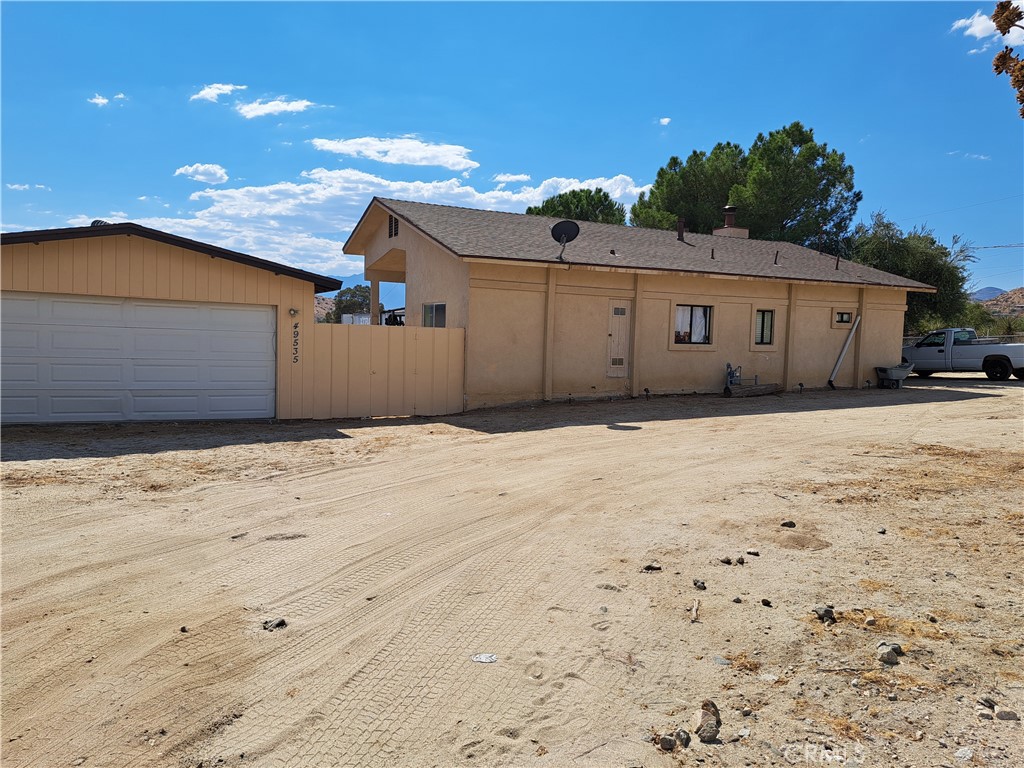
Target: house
{"x": 121, "y": 322}
{"x": 622, "y": 310}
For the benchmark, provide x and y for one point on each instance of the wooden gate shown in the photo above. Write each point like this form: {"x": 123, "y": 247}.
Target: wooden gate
{"x": 379, "y": 370}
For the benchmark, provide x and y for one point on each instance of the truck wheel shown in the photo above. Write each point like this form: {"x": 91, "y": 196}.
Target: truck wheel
{"x": 997, "y": 370}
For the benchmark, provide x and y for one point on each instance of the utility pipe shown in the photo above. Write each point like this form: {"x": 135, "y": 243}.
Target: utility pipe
{"x": 846, "y": 346}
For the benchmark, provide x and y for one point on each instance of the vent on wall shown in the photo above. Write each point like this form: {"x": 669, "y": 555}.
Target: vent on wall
{"x": 618, "y": 310}
{"x": 618, "y": 361}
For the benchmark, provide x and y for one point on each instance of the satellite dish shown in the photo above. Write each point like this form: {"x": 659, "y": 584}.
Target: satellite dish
{"x": 565, "y": 231}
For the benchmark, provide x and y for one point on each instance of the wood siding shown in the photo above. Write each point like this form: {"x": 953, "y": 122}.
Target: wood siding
{"x": 377, "y": 370}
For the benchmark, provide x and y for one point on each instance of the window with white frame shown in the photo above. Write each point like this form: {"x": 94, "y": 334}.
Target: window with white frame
{"x": 693, "y": 324}
{"x": 433, "y": 315}
{"x": 764, "y": 326}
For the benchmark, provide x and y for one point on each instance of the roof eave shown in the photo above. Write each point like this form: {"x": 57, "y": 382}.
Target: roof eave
{"x": 321, "y": 283}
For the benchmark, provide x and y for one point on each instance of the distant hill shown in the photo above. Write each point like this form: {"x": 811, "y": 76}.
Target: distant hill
{"x": 392, "y": 295}
{"x": 1007, "y": 303}
{"x": 984, "y": 294}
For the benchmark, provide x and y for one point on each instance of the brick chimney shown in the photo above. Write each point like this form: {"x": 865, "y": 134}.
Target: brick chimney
{"x": 681, "y": 228}
{"x": 730, "y": 229}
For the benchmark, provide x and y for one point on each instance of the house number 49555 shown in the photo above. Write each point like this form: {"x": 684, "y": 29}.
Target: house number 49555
{"x": 295, "y": 343}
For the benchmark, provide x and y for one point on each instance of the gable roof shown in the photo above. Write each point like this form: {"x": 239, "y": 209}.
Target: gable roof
{"x": 480, "y": 234}
{"x": 321, "y": 283}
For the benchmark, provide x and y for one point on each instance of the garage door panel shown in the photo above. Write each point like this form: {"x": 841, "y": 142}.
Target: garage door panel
{"x": 17, "y": 338}
{"x": 66, "y": 359}
{"x": 239, "y": 406}
{"x": 97, "y": 405}
{"x": 86, "y": 342}
{"x": 99, "y": 312}
{"x": 91, "y": 375}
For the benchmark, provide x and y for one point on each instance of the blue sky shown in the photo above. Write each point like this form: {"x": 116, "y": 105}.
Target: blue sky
{"x": 268, "y": 127}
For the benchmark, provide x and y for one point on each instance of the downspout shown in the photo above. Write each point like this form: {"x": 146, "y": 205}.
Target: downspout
{"x": 634, "y": 339}
{"x": 549, "y": 335}
{"x": 842, "y": 354}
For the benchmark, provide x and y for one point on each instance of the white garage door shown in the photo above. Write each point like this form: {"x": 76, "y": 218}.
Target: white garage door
{"x": 86, "y": 358}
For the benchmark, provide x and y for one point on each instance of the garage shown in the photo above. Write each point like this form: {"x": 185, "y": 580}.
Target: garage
{"x": 119, "y": 322}
{"x": 94, "y": 358}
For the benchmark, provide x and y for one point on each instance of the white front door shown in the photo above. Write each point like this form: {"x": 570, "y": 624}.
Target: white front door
{"x": 100, "y": 358}
{"x": 618, "y": 337}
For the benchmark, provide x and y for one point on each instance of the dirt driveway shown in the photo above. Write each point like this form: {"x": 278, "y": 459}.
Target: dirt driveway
{"x": 141, "y": 564}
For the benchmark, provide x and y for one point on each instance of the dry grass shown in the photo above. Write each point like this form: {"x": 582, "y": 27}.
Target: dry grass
{"x": 743, "y": 662}
{"x": 871, "y": 585}
{"x": 901, "y": 681}
{"x": 890, "y": 625}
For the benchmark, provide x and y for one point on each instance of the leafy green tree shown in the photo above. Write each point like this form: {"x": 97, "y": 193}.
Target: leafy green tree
{"x": 919, "y": 256}
{"x": 582, "y": 205}
{"x": 349, "y": 301}
{"x": 796, "y": 190}
{"x": 1007, "y": 16}
{"x": 696, "y": 190}
{"x": 786, "y": 187}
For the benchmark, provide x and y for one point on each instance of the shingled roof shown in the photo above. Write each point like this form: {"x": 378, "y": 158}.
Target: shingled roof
{"x": 474, "y": 233}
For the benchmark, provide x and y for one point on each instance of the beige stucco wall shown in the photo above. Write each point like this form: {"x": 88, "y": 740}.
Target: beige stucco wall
{"x": 135, "y": 267}
{"x": 508, "y": 332}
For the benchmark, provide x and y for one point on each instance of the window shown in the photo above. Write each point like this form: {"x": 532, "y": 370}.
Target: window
{"x": 392, "y": 226}
{"x": 933, "y": 340}
{"x": 433, "y": 315}
{"x": 693, "y": 324}
{"x": 844, "y": 317}
{"x": 619, "y": 311}
{"x": 764, "y": 326}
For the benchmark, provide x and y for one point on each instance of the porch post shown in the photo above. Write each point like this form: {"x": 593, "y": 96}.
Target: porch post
{"x": 634, "y": 367}
{"x": 374, "y": 302}
{"x": 858, "y": 343}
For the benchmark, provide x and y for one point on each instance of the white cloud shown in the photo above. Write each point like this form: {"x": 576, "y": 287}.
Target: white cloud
{"x": 664, "y": 120}
{"x": 120, "y": 96}
{"x": 510, "y": 178}
{"x": 980, "y": 27}
{"x": 972, "y": 156}
{"x": 260, "y": 107}
{"x": 214, "y": 91}
{"x": 211, "y": 173}
{"x": 406, "y": 150}
{"x": 18, "y": 187}
{"x": 98, "y": 100}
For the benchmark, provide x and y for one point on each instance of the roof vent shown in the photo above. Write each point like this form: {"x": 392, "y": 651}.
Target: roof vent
{"x": 99, "y": 223}
{"x": 730, "y": 229}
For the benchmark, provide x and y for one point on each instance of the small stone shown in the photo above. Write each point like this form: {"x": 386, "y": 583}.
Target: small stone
{"x": 722, "y": 661}
{"x": 788, "y": 524}
{"x": 987, "y": 701}
{"x": 825, "y": 614}
{"x": 887, "y": 655}
{"x": 667, "y": 743}
{"x": 983, "y": 714}
{"x": 737, "y": 599}
{"x": 753, "y": 553}
{"x": 882, "y": 531}
{"x": 743, "y": 733}
{"x": 183, "y": 629}
{"x": 918, "y": 735}
{"x": 1007, "y": 714}
{"x": 979, "y": 604}
{"x": 740, "y": 560}
{"x": 706, "y": 722}
{"x": 746, "y": 711}
{"x": 932, "y": 618}
{"x": 699, "y": 584}
{"x": 271, "y": 624}
{"x": 766, "y": 602}
{"x": 855, "y": 682}
{"x": 725, "y": 560}
{"x": 650, "y": 567}
{"x": 683, "y": 737}
{"x": 603, "y": 609}
{"x": 892, "y": 697}
{"x": 964, "y": 753}
{"x": 79, "y": 761}
{"x": 896, "y": 647}
{"x": 870, "y": 621}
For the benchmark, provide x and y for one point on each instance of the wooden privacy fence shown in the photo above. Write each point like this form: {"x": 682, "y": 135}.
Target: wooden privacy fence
{"x": 379, "y": 370}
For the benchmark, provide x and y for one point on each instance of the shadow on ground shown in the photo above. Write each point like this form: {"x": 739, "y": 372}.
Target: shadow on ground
{"x": 32, "y": 443}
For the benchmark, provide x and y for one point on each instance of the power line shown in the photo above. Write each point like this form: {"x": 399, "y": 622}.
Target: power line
{"x": 1011, "y": 245}
{"x": 962, "y": 207}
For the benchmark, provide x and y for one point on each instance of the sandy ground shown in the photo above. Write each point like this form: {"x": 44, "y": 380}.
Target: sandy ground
{"x": 140, "y": 564}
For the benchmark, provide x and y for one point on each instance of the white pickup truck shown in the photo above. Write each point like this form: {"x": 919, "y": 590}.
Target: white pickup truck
{"x": 960, "y": 349}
